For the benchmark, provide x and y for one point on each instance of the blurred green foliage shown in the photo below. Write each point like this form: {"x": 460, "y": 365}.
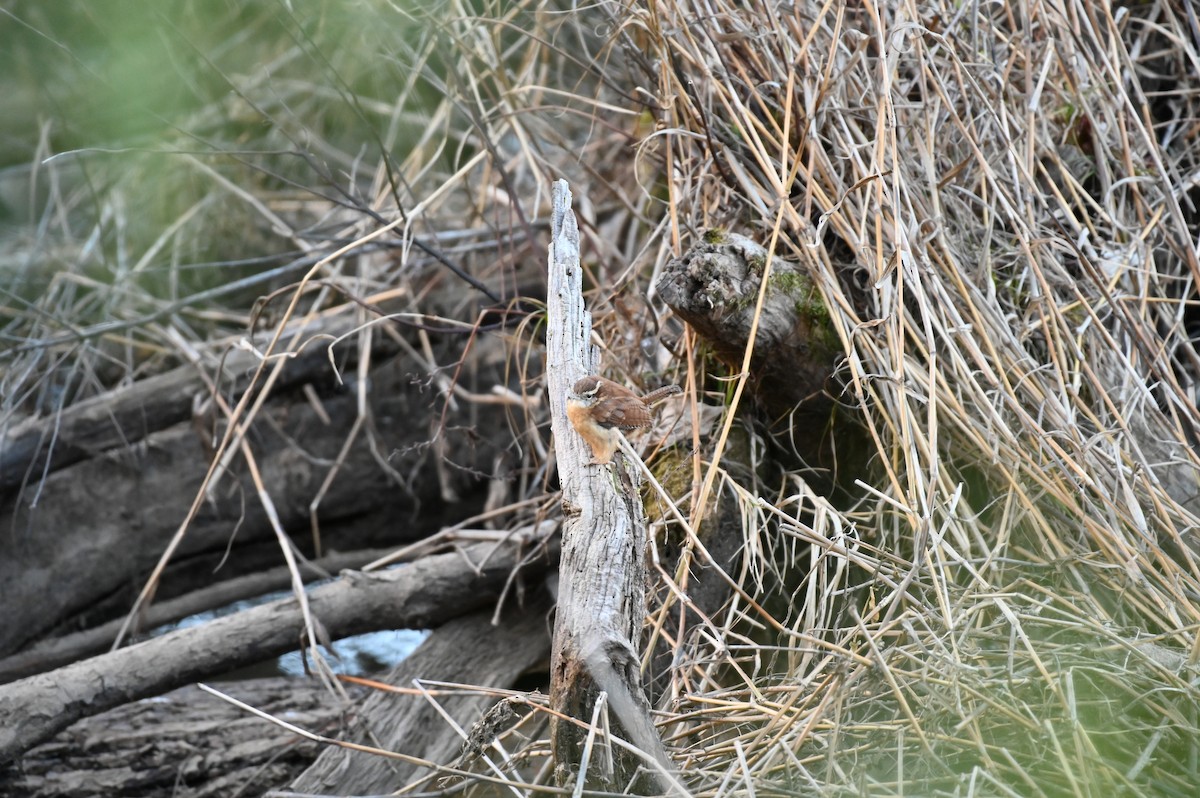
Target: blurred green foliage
{"x": 120, "y": 73}
{"x": 129, "y": 125}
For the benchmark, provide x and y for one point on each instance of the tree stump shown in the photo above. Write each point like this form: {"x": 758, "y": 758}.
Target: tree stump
{"x": 602, "y": 574}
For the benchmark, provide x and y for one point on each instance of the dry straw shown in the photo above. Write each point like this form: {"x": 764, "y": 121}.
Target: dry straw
{"x": 997, "y": 204}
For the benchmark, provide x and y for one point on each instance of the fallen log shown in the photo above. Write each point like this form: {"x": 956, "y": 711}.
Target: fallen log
{"x": 111, "y": 517}
{"x": 184, "y": 744}
{"x": 38, "y": 446}
{"x": 422, "y": 595}
{"x": 470, "y": 650}
{"x": 59, "y": 651}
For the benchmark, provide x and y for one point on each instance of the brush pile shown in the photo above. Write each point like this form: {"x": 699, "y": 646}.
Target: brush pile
{"x": 985, "y": 580}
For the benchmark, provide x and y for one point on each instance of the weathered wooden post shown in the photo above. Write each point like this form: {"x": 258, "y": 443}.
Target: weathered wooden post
{"x": 602, "y": 576}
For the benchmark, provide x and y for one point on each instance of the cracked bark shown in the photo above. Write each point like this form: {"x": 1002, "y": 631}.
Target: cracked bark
{"x": 602, "y": 575}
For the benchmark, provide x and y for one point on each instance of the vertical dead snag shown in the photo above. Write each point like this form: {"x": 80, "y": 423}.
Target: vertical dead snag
{"x": 602, "y": 575}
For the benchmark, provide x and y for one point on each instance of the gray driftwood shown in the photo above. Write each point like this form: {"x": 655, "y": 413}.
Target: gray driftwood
{"x": 422, "y": 595}
{"x": 41, "y": 445}
{"x": 602, "y": 576}
{"x": 58, "y": 651}
{"x": 468, "y": 650}
{"x": 185, "y": 744}
{"x": 92, "y": 530}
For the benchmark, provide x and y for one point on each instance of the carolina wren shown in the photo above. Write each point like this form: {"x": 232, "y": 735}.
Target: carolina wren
{"x": 600, "y": 410}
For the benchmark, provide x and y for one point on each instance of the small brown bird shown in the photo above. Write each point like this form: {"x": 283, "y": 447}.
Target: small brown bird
{"x": 600, "y": 410}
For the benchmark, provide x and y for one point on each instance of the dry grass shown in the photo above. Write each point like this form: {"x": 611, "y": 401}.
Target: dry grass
{"x": 997, "y": 203}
